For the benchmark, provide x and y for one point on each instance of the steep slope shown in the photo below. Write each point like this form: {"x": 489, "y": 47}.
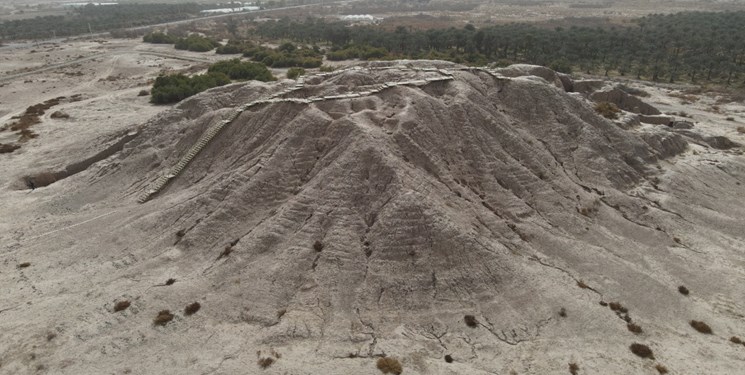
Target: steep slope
{"x": 334, "y": 231}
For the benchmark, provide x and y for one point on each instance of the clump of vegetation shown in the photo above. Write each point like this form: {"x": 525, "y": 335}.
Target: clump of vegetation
{"x": 354, "y": 51}
{"x": 225, "y": 252}
{"x": 159, "y": 38}
{"x": 573, "y": 368}
{"x": 635, "y": 328}
{"x": 143, "y": 93}
{"x": 170, "y": 281}
{"x": 192, "y": 308}
{"x": 163, "y": 317}
{"x": 389, "y": 365}
{"x": 285, "y": 56}
{"x": 471, "y": 321}
{"x": 581, "y": 284}
{"x": 6, "y": 148}
{"x": 318, "y": 246}
{"x": 265, "y": 362}
{"x": 661, "y": 369}
{"x": 326, "y": 68}
{"x": 563, "y": 312}
{"x": 24, "y": 265}
{"x": 735, "y": 340}
{"x": 121, "y": 305}
{"x": 641, "y": 350}
{"x": 741, "y": 129}
{"x": 196, "y": 43}
{"x": 242, "y": 70}
{"x": 177, "y": 87}
{"x": 603, "y": 303}
{"x": 683, "y": 290}
{"x": 701, "y": 327}
{"x": 607, "y": 110}
{"x": 730, "y": 119}
{"x": 448, "y": 358}
{"x": 293, "y": 73}
{"x": 618, "y": 308}
{"x": 59, "y": 115}
{"x": 234, "y": 47}
{"x": 180, "y": 233}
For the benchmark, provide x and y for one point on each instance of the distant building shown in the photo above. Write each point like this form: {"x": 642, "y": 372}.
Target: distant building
{"x": 362, "y": 18}
{"x": 241, "y": 8}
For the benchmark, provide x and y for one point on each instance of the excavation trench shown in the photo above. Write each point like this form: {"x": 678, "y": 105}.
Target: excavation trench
{"x": 47, "y": 178}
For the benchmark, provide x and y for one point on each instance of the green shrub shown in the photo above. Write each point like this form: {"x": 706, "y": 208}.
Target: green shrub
{"x": 177, "y": 87}
{"x": 293, "y": 73}
{"x": 196, "y": 43}
{"x": 242, "y": 70}
{"x": 158, "y": 38}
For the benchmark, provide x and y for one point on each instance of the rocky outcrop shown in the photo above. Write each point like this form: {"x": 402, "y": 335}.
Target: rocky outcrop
{"x": 624, "y": 101}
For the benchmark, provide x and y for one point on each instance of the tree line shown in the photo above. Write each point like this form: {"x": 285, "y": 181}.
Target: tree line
{"x": 100, "y": 19}
{"x": 692, "y": 46}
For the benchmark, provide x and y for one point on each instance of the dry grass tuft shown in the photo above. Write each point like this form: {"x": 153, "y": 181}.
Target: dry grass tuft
{"x": 641, "y": 350}
{"x": 164, "y": 316}
{"x": 573, "y": 368}
{"x": 389, "y": 365}
{"x": 318, "y": 246}
{"x": 607, "y": 110}
{"x": 661, "y": 369}
{"x": 563, "y": 312}
{"x": 683, "y": 290}
{"x": 448, "y": 358}
{"x": 265, "y": 362}
{"x": 582, "y": 284}
{"x": 701, "y": 327}
{"x": 634, "y": 328}
{"x": 121, "y": 305}
{"x": 192, "y": 308}
{"x": 735, "y": 340}
{"x": 24, "y": 265}
{"x": 471, "y": 321}
{"x": 170, "y": 281}
{"x": 741, "y": 129}
{"x": 618, "y": 307}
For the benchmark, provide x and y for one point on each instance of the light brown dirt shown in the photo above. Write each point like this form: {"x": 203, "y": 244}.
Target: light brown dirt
{"x": 502, "y": 198}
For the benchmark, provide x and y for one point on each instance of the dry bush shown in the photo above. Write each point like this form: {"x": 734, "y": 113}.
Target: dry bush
{"x": 471, "y": 321}
{"x": 615, "y": 306}
{"x": 735, "y": 340}
{"x": 318, "y": 246}
{"x": 121, "y": 305}
{"x": 24, "y": 265}
{"x": 582, "y": 284}
{"x": 641, "y": 350}
{"x": 180, "y": 233}
{"x": 448, "y": 358}
{"x": 701, "y": 327}
{"x": 741, "y": 129}
{"x": 661, "y": 369}
{"x": 389, "y": 365}
{"x": 51, "y": 336}
{"x": 6, "y": 148}
{"x": 634, "y": 328}
{"x": 573, "y": 368}
{"x": 163, "y": 317}
{"x": 603, "y": 303}
{"x": 192, "y": 308}
{"x": 730, "y": 119}
{"x": 265, "y": 362}
{"x": 563, "y": 312}
{"x": 607, "y": 110}
{"x": 143, "y": 93}
{"x": 683, "y": 290}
